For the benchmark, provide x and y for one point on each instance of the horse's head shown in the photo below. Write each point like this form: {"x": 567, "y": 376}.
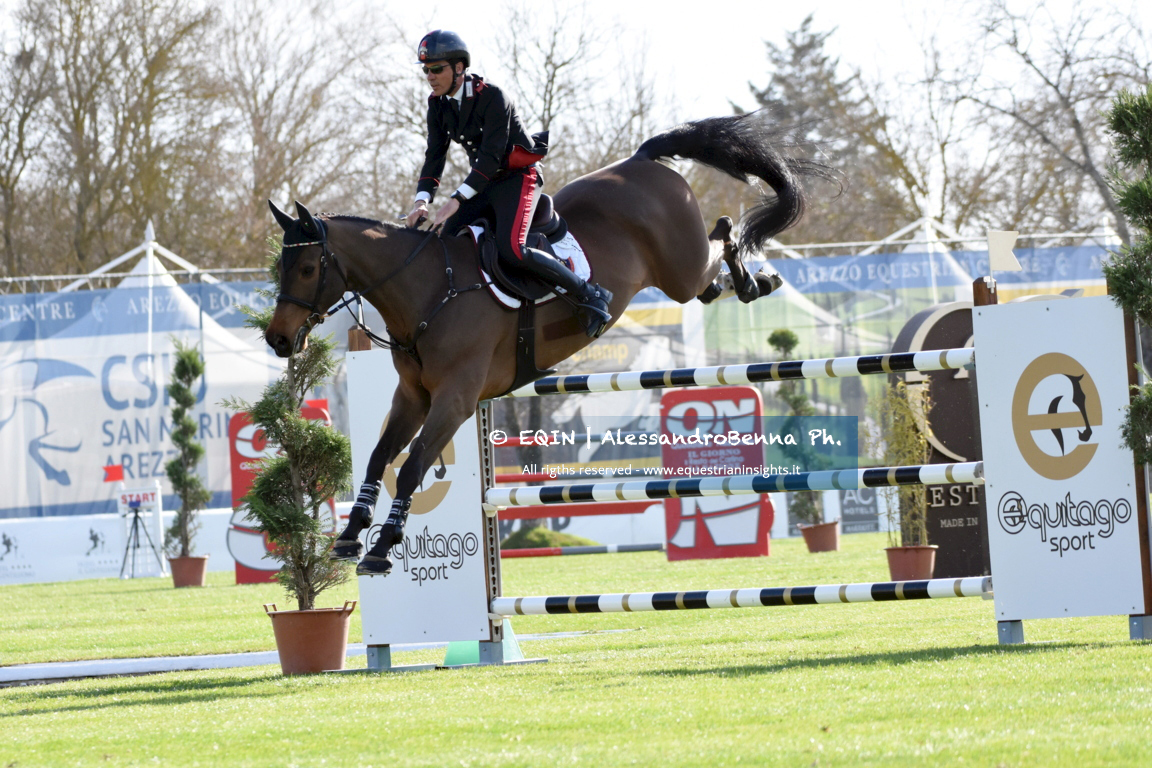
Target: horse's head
{"x": 311, "y": 281}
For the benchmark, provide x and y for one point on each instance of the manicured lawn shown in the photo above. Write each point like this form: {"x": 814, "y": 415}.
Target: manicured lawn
{"x": 884, "y": 684}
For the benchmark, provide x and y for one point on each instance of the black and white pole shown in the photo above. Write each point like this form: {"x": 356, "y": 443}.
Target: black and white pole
{"x": 751, "y": 373}
{"x": 932, "y": 589}
{"x": 736, "y": 485}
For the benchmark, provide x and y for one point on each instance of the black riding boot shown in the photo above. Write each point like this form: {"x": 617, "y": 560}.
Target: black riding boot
{"x": 590, "y": 299}
{"x": 377, "y": 562}
{"x": 348, "y": 545}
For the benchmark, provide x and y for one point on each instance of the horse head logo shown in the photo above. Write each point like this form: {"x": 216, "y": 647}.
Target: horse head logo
{"x": 1083, "y": 396}
{"x": 24, "y": 377}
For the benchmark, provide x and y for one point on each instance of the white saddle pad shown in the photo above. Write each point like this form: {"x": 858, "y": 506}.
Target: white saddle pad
{"x": 568, "y": 251}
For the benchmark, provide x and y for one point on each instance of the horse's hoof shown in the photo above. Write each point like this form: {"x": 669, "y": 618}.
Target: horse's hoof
{"x": 750, "y": 293}
{"x": 768, "y": 281}
{"x": 722, "y": 230}
{"x": 346, "y": 550}
{"x": 374, "y": 566}
{"x": 711, "y": 293}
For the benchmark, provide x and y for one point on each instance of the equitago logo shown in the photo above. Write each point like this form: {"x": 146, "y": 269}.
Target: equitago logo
{"x": 1072, "y": 429}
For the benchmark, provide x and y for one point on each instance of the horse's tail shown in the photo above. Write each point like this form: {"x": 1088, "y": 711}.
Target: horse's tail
{"x": 743, "y": 146}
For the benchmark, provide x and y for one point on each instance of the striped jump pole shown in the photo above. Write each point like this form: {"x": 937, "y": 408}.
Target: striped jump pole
{"x": 751, "y": 373}
{"x": 932, "y": 589}
{"x": 605, "y": 549}
{"x": 735, "y": 485}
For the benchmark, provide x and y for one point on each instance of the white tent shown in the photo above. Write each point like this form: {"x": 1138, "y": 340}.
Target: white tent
{"x": 82, "y": 386}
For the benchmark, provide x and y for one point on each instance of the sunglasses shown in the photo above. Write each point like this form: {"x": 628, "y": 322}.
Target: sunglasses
{"x": 434, "y": 70}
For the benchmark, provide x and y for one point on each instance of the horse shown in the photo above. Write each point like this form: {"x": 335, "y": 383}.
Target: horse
{"x": 639, "y": 225}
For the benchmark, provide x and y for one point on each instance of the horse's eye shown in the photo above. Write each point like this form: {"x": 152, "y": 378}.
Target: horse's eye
{"x": 308, "y": 270}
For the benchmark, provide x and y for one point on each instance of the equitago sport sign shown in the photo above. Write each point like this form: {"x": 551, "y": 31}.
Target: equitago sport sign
{"x": 1053, "y": 387}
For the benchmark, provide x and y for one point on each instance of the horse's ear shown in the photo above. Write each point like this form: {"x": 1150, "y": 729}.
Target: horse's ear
{"x": 282, "y": 218}
{"x": 306, "y": 219}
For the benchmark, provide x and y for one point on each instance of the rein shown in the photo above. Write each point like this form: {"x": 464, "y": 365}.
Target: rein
{"x": 391, "y": 343}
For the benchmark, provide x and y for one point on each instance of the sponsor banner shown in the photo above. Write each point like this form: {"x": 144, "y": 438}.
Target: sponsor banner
{"x": 436, "y": 591}
{"x": 711, "y": 431}
{"x": 1063, "y": 529}
{"x": 45, "y": 549}
{"x": 247, "y": 447}
{"x": 888, "y": 271}
{"x": 83, "y": 379}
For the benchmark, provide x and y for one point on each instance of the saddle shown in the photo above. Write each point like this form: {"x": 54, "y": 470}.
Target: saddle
{"x": 547, "y": 227}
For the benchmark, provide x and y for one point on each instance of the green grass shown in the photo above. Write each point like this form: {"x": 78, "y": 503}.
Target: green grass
{"x": 882, "y": 684}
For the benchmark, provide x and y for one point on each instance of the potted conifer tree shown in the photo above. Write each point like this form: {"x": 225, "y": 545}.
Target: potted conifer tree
{"x": 902, "y": 416}
{"x": 289, "y": 501}
{"x": 187, "y": 569}
{"x": 1129, "y": 271}
{"x": 807, "y": 506}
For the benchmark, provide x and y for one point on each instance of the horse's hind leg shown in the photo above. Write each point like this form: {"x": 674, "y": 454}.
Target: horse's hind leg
{"x": 407, "y": 414}
{"x": 748, "y": 287}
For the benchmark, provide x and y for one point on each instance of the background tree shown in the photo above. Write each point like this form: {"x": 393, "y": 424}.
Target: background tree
{"x": 314, "y": 465}
{"x": 901, "y": 440}
{"x": 806, "y": 507}
{"x": 1047, "y": 80}
{"x": 26, "y": 80}
{"x": 1129, "y": 272}
{"x": 181, "y": 471}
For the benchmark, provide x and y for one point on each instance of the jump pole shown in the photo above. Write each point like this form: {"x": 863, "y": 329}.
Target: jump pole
{"x": 931, "y": 589}
{"x": 733, "y": 485}
{"x": 751, "y": 373}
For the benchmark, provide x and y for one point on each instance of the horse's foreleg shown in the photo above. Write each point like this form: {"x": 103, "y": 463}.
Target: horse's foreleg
{"x": 408, "y": 412}
{"x": 446, "y": 414}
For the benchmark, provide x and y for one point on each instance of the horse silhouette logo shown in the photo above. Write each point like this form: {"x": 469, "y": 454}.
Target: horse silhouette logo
{"x": 97, "y": 540}
{"x": 1066, "y": 426}
{"x": 8, "y": 546}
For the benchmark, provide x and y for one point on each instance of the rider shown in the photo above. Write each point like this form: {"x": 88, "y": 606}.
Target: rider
{"x": 503, "y": 181}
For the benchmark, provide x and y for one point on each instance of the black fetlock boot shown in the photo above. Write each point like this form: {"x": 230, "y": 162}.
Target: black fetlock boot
{"x": 377, "y": 562}
{"x": 348, "y": 545}
{"x": 590, "y": 299}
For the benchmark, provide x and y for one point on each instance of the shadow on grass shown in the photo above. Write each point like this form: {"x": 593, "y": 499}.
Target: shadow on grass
{"x": 152, "y": 693}
{"x": 893, "y": 658}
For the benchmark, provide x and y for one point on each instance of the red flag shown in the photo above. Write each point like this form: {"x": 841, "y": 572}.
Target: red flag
{"x": 113, "y": 473}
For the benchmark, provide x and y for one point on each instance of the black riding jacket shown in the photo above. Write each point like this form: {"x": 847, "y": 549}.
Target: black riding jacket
{"x": 487, "y": 127}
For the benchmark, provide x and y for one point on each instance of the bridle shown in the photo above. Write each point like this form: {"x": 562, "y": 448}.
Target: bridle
{"x": 318, "y": 316}
{"x": 326, "y": 256}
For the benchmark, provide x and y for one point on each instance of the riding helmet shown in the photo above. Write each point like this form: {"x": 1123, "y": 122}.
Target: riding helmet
{"x": 442, "y": 45}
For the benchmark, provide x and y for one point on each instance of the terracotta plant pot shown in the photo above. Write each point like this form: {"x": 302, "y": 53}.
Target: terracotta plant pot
{"x": 822, "y": 537}
{"x": 311, "y": 641}
{"x": 188, "y": 571}
{"x": 912, "y": 563}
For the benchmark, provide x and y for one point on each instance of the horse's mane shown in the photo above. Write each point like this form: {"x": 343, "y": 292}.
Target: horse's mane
{"x": 385, "y": 225}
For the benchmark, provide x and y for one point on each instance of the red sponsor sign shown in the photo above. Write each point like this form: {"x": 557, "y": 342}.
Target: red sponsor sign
{"x": 246, "y": 447}
{"x": 714, "y": 432}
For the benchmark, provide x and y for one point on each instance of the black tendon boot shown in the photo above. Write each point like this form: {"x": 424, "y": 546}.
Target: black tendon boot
{"x": 590, "y": 299}
{"x": 348, "y": 545}
{"x": 377, "y": 562}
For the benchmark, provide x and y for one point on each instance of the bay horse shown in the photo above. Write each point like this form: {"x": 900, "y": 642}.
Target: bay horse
{"x": 639, "y": 225}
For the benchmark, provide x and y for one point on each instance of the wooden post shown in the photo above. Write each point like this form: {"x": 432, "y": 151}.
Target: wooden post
{"x": 984, "y": 292}
{"x": 983, "y": 295}
{"x": 1131, "y": 339}
{"x": 358, "y": 341}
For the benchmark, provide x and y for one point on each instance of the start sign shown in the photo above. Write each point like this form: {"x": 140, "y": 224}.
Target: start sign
{"x": 714, "y": 432}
